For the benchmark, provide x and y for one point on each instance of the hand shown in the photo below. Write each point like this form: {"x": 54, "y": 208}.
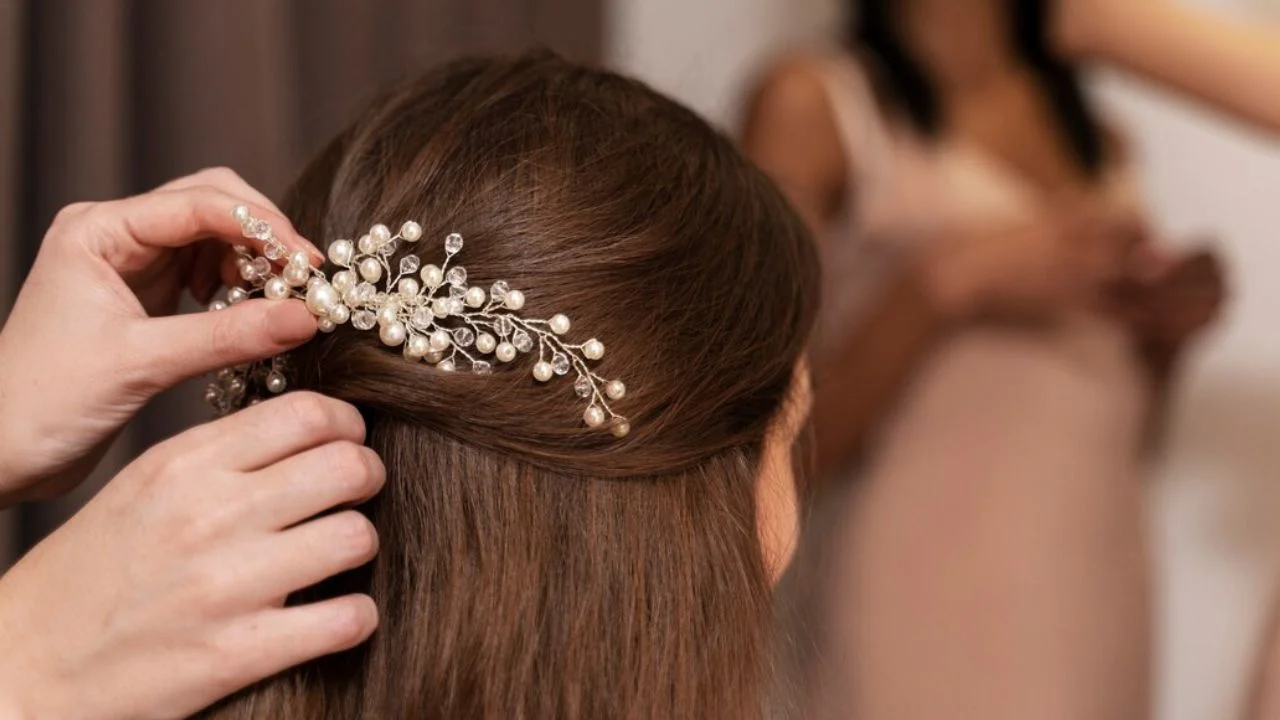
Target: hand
{"x": 165, "y": 592}
{"x": 1170, "y": 307}
{"x": 1079, "y": 29}
{"x": 88, "y": 342}
{"x": 1035, "y": 269}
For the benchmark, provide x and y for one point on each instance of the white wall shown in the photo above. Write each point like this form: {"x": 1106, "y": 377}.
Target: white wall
{"x": 1216, "y": 507}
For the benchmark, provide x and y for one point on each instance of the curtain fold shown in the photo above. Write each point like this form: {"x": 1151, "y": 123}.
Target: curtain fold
{"x": 105, "y": 98}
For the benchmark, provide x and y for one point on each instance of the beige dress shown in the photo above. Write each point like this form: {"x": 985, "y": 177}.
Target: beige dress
{"x": 1016, "y": 432}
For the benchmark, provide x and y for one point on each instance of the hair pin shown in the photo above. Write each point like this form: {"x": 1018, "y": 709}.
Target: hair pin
{"x": 430, "y": 312}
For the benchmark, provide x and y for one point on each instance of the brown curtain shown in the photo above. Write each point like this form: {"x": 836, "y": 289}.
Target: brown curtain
{"x": 103, "y": 98}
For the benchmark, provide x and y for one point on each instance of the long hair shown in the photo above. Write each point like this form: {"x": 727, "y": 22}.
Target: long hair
{"x": 874, "y": 29}
{"x": 531, "y": 568}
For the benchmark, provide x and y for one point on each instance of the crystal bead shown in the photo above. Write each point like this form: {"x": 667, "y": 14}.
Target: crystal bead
{"x": 457, "y": 291}
{"x": 481, "y": 367}
{"x": 261, "y": 266}
{"x": 463, "y": 337}
{"x": 388, "y": 248}
{"x": 409, "y": 264}
{"x": 453, "y": 243}
{"x": 364, "y": 320}
{"x": 560, "y": 364}
{"x": 422, "y": 318}
{"x": 274, "y": 251}
{"x": 499, "y": 291}
{"x": 503, "y": 325}
{"x": 457, "y": 276}
{"x": 522, "y": 341}
{"x": 366, "y": 292}
{"x": 260, "y": 229}
{"x": 457, "y": 306}
{"x": 583, "y": 387}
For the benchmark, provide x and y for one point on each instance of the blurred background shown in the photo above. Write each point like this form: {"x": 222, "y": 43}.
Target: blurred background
{"x": 102, "y": 98}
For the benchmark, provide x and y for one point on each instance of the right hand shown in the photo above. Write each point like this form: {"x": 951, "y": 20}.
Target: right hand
{"x": 1034, "y": 269}
{"x": 166, "y": 592}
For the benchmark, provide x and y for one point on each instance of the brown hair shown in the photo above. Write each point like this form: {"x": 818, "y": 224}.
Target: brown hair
{"x": 531, "y": 567}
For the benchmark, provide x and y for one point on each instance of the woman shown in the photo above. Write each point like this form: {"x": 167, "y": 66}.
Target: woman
{"x": 531, "y": 566}
{"x": 933, "y": 156}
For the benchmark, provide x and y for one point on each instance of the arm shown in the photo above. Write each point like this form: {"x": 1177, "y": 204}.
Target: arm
{"x": 1225, "y": 63}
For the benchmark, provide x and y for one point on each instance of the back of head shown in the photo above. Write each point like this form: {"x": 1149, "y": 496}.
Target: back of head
{"x": 531, "y": 567}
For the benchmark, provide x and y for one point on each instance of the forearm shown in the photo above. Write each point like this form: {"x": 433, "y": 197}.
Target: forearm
{"x": 1225, "y": 63}
{"x": 860, "y": 379}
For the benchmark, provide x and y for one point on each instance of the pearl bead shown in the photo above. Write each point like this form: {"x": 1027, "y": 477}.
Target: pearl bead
{"x": 506, "y": 352}
{"x": 370, "y": 270}
{"x": 476, "y": 297}
{"x": 542, "y": 371}
{"x": 276, "y": 383}
{"x": 276, "y": 289}
{"x": 419, "y": 346}
{"x": 559, "y": 324}
{"x": 447, "y": 366}
{"x": 339, "y": 314}
{"x": 217, "y": 305}
{"x": 440, "y": 340}
{"x": 241, "y": 213}
{"x": 393, "y": 334}
{"x": 237, "y": 295}
{"x": 615, "y": 390}
{"x": 365, "y": 245}
{"x": 411, "y": 231}
{"x": 432, "y": 276}
{"x": 409, "y": 287}
{"x": 248, "y": 272}
{"x": 620, "y": 428}
{"x": 388, "y": 314}
{"x": 485, "y": 343}
{"x": 320, "y": 298}
{"x": 326, "y": 325}
{"x": 344, "y": 280}
{"x": 300, "y": 258}
{"x": 297, "y": 276}
{"x": 514, "y": 299}
{"x": 593, "y": 349}
{"x": 441, "y": 307}
{"x": 594, "y": 416}
{"x": 341, "y": 252}
{"x": 380, "y": 234}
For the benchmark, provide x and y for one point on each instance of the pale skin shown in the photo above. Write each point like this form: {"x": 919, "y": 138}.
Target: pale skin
{"x": 1091, "y": 553}
{"x": 166, "y": 591}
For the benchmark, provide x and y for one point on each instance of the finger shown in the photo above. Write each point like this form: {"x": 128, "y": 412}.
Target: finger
{"x": 313, "y": 482}
{"x": 226, "y": 180}
{"x": 266, "y": 433}
{"x": 274, "y": 640}
{"x": 164, "y": 219}
{"x": 283, "y": 563}
{"x": 172, "y": 349}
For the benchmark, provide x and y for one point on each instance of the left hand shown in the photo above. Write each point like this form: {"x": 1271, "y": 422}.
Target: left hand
{"x": 88, "y": 342}
{"x": 1170, "y": 307}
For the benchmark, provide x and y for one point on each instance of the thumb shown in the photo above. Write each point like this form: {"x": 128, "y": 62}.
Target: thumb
{"x": 181, "y": 347}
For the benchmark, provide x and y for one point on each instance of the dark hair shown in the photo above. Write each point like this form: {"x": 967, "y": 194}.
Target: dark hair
{"x": 531, "y": 567}
{"x": 875, "y": 30}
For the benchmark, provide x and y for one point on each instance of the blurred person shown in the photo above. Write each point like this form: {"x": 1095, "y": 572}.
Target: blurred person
{"x": 555, "y": 544}
{"x": 996, "y": 340}
{"x": 165, "y": 592}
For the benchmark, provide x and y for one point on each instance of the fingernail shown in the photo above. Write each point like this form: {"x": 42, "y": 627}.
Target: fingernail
{"x": 290, "y": 323}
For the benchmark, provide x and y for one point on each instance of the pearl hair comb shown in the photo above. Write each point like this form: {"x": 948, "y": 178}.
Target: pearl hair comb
{"x": 430, "y": 312}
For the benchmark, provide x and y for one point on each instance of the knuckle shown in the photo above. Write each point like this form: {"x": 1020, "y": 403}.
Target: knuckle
{"x": 219, "y": 173}
{"x": 355, "y": 535}
{"x": 215, "y": 581}
{"x": 312, "y": 414}
{"x": 71, "y": 212}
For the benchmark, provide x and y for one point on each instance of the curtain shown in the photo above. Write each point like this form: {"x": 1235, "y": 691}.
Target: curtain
{"x": 105, "y": 98}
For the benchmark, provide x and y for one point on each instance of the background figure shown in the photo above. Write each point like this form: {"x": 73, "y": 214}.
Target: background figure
{"x": 104, "y": 98}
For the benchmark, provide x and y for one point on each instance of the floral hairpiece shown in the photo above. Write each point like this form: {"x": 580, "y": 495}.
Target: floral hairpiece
{"x": 428, "y": 311}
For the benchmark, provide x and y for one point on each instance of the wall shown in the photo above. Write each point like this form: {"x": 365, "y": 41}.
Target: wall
{"x": 1215, "y": 520}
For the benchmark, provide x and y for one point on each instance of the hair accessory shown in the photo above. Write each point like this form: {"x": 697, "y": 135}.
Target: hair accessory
{"x": 430, "y": 312}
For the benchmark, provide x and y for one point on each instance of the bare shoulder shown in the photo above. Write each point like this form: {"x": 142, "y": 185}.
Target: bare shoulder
{"x": 792, "y": 133}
